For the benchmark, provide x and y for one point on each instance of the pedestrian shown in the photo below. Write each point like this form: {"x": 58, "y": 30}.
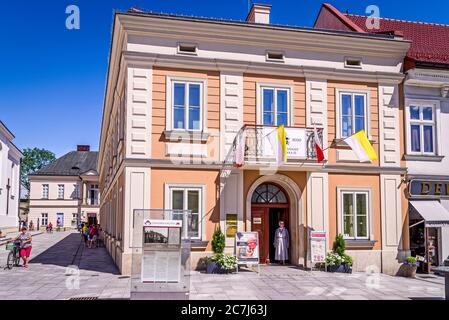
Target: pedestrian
{"x": 93, "y": 234}
{"x": 281, "y": 243}
{"x": 25, "y": 245}
{"x": 85, "y": 232}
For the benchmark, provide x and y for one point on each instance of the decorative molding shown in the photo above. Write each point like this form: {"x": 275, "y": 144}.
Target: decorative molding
{"x": 389, "y": 126}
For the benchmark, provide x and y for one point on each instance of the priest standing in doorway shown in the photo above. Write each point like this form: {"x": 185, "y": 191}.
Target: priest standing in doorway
{"x": 281, "y": 243}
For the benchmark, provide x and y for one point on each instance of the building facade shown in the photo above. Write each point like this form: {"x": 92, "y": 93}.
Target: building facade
{"x": 426, "y": 113}
{"x": 182, "y": 91}
{"x": 10, "y": 159}
{"x": 66, "y": 191}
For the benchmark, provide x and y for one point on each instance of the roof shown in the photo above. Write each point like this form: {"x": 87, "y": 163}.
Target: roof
{"x": 429, "y": 40}
{"x": 142, "y": 12}
{"x": 7, "y": 131}
{"x": 73, "y": 163}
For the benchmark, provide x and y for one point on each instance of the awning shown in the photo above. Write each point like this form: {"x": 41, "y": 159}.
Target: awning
{"x": 433, "y": 212}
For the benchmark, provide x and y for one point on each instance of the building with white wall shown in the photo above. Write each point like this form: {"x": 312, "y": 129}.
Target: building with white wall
{"x": 65, "y": 192}
{"x": 10, "y": 157}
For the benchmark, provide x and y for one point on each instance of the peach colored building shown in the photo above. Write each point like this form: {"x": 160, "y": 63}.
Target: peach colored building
{"x": 180, "y": 93}
{"x": 66, "y": 192}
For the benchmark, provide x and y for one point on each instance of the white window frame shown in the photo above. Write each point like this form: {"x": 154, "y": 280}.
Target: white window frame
{"x": 170, "y": 187}
{"x": 42, "y": 219}
{"x": 340, "y": 215}
{"x": 435, "y": 104}
{"x": 59, "y": 191}
{"x": 45, "y": 194}
{"x": 274, "y": 86}
{"x": 338, "y": 116}
{"x": 170, "y": 83}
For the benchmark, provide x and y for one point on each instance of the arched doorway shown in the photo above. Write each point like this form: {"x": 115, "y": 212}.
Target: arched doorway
{"x": 269, "y": 205}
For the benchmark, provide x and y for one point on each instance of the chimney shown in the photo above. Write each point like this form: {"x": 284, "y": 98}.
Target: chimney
{"x": 81, "y": 147}
{"x": 259, "y": 13}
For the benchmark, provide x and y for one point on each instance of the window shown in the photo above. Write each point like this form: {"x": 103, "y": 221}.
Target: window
{"x": 187, "y": 48}
{"x": 187, "y": 105}
{"x": 45, "y": 191}
{"x": 355, "y": 213}
{"x": 275, "y": 105}
{"x": 268, "y": 193}
{"x": 75, "y": 219}
{"x": 60, "y": 191}
{"x": 275, "y": 56}
{"x": 93, "y": 195}
{"x": 353, "y": 63}
{"x": 353, "y": 113}
{"x": 421, "y": 129}
{"x": 189, "y": 198}
{"x": 76, "y": 192}
{"x": 44, "y": 219}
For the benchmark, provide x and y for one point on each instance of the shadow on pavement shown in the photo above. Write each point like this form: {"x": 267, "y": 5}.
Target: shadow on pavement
{"x": 71, "y": 251}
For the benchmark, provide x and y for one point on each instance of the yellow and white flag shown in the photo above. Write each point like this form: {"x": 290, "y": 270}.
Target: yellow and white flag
{"x": 361, "y": 146}
{"x": 278, "y": 141}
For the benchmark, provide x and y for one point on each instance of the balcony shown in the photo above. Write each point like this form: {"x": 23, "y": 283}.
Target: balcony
{"x": 258, "y": 149}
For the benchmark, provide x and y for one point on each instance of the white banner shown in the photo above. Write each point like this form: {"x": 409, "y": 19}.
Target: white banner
{"x": 296, "y": 143}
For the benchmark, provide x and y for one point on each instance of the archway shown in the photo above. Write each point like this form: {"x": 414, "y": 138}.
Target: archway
{"x": 292, "y": 204}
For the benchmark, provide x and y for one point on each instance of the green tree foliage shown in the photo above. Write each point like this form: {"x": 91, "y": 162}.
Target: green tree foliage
{"x": 33, "y": 160}
{"x": 339, "y": 245}
{"x": 218, "y": 241}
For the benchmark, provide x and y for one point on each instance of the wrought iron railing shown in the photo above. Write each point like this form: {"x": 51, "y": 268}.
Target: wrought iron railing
{"x": 256, "y": 143}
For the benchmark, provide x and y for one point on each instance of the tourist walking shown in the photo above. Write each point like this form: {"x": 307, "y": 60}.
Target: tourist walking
{"x": 281, "y": 243}
{"x": 25, "y": 245}
{"x": 93, "y": 234}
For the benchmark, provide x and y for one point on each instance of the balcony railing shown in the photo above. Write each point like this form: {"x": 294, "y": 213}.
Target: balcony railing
{"x": 258, "y": 149}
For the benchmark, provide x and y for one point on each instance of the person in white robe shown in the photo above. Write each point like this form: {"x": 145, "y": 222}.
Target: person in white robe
{"x": 281, "y": 243}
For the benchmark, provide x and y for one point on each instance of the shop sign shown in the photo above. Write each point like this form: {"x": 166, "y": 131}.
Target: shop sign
{"x": 162, "y": 223}
{"x": 231, "y": 225}
{"x": 428, "y": 188}
{"x": 296, "y": 143}
{"x": 247, "y": 247}
{"x": 318, "y": 246}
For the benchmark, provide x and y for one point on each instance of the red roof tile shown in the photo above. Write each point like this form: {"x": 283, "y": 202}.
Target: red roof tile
{"x": 430, "y": 42}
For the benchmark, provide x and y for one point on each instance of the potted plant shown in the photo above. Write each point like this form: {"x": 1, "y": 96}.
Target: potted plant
{"x": 338, "y": 260}
{"x": 409, "y": 267}
{"x": 220, "y": 262}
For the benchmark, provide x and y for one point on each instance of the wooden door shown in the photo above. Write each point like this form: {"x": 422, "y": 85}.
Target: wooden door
{"x": 260, "y": 224}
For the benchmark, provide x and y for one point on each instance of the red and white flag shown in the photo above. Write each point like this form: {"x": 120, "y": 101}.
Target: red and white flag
{"x": 318, "y": 147}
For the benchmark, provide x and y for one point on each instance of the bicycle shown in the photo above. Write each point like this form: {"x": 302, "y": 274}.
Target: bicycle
{"x": 13, "y": 259}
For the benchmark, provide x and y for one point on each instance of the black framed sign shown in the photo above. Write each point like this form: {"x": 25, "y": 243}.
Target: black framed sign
{"x": 428, "y": 189}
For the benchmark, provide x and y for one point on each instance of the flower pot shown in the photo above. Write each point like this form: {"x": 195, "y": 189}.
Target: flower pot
{"x": 212, "y": 267}
{"x": 408, "y": 271}
{"x": 342, "y": 268}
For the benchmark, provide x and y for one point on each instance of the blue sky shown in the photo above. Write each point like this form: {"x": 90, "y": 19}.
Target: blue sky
{"x": 52, "y": 79}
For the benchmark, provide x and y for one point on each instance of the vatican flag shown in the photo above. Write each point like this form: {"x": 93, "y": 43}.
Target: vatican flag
{"x": 278, "y": 141}
{"x": 361, "y": 146}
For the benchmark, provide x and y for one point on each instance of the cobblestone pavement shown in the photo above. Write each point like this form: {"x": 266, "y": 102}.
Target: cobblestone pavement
{"x": 51, "y": 277}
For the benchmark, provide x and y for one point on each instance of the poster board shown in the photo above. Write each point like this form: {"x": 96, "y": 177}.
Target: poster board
{"x": 318, "y": 246}
{"x": 296, "y": 143}
{"x": 247, "y": 247}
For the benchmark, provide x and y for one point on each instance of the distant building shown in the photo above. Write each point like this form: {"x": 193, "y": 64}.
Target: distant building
{"x": 66, "y": 192}
{"x": 24, "y": 205}
{"x": 10, "y": 157}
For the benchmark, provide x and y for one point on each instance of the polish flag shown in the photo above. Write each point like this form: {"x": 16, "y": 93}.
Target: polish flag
{"x": 239, "y": 155}
{"x": 318, "y": 148}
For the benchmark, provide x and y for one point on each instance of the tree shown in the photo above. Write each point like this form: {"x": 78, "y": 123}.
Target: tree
{"x": 218, "y": 241}
{"x": 33, "y": 160}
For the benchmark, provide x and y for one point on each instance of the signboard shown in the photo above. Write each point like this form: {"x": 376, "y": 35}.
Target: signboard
{"x": 162, "y": 223}
{"x": 432, "y": 189}
{"x": 231, "y": 225}
{"x": 161, "y": 266}
{"x": 257, "y": 220}
{"x": 60, "y": 220}
{"x": 318, "y": 246}
{"x": 296, "y": 143}
{"x": 247, "y": 247}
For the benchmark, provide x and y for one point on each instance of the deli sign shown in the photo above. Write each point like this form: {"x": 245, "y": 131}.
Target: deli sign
{"x": 428, "y": 188}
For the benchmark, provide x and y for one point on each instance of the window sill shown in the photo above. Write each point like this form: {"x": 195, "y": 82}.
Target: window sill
{"x": 198, "y": 244}
{"x": 360, "y": 244}
{"x": 342, "y": 143}
{"x": 419, "y": 157}
{"x": 181, "y": 136}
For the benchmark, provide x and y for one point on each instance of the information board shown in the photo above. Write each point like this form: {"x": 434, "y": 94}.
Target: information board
{"x": 318, "y": 246}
